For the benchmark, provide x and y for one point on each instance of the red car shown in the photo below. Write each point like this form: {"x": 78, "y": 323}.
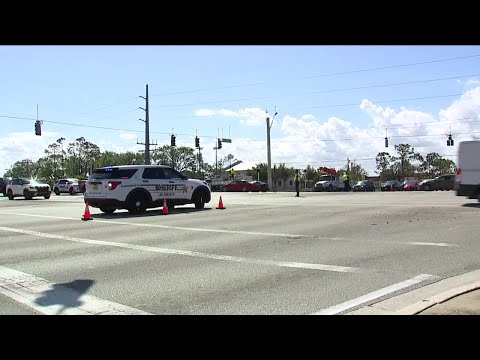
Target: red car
{"x": 410, "y": 185}
{"x": 243, "y": 185}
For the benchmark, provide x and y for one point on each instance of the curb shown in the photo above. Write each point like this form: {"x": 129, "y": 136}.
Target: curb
{"x": 424, "y": 304}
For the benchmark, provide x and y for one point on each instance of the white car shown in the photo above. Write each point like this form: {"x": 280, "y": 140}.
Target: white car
{"x": 66, "y": 186}
{"x": 27, "y": 188}
{"x": 139, "y": 187}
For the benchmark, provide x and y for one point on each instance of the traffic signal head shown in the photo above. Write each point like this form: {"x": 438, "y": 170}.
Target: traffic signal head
{"x": 219, "y": 146}
{"x": 197, "y": 142}
{"x": 38, "y": 128}
{"x": 172, "y": 140}
{"x": 386, "y": 142}
{"x": 450, "y": 141}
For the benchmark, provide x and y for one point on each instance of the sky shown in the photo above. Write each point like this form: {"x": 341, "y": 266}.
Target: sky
{"x": 333, "y": 103}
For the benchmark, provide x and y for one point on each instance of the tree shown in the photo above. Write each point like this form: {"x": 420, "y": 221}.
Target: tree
{"x": 357, "y": 172}
{"x": 383, "y": 161}
{"x": 435, "y": 165}
{"x": 284, "y": 173}
{"x": 262, "y": 175}
{"x": 181, "y": 158}
{"x": 406, "y": 154}
{"x": 311, "y": 174}
{"x": 24, "y": 168}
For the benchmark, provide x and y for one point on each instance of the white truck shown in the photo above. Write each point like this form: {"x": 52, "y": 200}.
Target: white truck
{"x": 467, "y": 180}
{"x": 329, "y": 183}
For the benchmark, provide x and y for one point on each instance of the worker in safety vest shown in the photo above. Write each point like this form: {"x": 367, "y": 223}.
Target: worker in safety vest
{"x": 297, "y": 183}
{"x": 346, "y": 181}
{"x": 232, "y": 174}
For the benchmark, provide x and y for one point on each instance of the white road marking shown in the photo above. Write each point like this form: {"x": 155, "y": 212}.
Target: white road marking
{"x": 53, "y": 299}
{"x": 431, "y": 244}
{"x": 362, "y": 300}
{"x": 240, "y": 232}
{"x": 186, "y": 252}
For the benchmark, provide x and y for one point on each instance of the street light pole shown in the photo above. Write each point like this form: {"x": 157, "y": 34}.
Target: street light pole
{"x": 269, "y": 157}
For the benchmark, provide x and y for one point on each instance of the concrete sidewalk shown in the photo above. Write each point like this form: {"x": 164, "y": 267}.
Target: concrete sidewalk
{"x": 459, "y": 295}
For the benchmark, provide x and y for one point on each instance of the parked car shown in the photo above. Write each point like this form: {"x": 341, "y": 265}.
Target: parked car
{"x": 410, "y": 185}
{"x": 391, "y": 184}
{"x": 262, "y": 186}
{"x": 70, "y": 186}
{"x": 443, "y": 182}
{"x": 27, "y": 188}
{"x": 241, "y": 185}
{"x": 364, "y": 185}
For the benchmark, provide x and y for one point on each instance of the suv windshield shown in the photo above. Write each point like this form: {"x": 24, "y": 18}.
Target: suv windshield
{"x": 325, "y": 178}
{"x": 113, "y": 173}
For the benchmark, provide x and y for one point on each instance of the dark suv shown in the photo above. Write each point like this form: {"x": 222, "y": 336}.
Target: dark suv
{"x": 3, "y": 186}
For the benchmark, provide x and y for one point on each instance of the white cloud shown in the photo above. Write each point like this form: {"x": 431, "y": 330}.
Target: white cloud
{"x": 472, "y": 82}
{"x": 23, "y": 145}
{"x": 128, "y": 136}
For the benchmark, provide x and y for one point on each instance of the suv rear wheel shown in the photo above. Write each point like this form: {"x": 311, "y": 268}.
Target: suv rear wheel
{"x": 71, "y": 191}
{"x": 10, "y": 195}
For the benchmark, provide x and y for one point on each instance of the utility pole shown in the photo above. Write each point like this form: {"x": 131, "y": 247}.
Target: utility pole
{"x": 269, "y": 157}
{"x": 147, "y": 128}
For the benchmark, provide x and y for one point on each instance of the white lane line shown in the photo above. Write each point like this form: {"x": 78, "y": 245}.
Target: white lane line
{"x": 430, "y": 244}
{"x": 56, "y": 299}
{"x": 240, "y": 232}
{"x": 186, "y": 252}
{"x": 363, "y": 300}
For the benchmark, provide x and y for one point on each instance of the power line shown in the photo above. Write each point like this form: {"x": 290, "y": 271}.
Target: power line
{"x": 391, "y": 84}
{"x": 381, "y": 101}
{"x": 208, "y": 89}
{"x": 214, "y": 102}
{"x": 392, "y": 66}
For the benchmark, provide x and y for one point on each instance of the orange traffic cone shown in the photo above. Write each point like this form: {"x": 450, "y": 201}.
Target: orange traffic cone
{"x": 86, "y": 216}
{"x": 165, "y": 207}
{"x": 220, "y": 204}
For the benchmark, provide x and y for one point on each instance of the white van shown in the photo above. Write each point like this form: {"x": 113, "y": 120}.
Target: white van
{"x": 467, "y": 181}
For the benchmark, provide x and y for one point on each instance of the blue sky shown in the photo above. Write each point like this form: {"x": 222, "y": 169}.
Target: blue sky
{"x": 206, "y": 88}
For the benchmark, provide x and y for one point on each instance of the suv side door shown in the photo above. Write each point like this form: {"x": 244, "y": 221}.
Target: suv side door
{"x": 16, "y": 186}
{"x": 178, "y": 183}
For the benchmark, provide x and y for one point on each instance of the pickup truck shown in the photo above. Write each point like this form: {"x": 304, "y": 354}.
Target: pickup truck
{"x": 329, "y": 183}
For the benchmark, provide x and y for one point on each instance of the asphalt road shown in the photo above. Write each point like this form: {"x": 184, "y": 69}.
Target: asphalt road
{"x": 266, "y": 253}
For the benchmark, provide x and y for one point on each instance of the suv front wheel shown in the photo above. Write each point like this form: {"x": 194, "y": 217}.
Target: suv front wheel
{"x": 56, "y": 191}
{"x": 199, "y": 200}
{"x": 10, "y": 195}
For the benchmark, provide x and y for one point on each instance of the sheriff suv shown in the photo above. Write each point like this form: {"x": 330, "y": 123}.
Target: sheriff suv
{"x": 70, "y": 186}
{"x": 139, "y": 187}
{"x": 27, "y": 188}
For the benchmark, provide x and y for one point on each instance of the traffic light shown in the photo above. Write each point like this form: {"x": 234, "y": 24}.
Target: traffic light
{"x": 219, "y": 146}
{"x": 450, "y": 141}
{"x": 386, "y": 142}
{"x": 197, "y": 142}
{"x": 172, "y": 140}
{"x": 38, "y": 128}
